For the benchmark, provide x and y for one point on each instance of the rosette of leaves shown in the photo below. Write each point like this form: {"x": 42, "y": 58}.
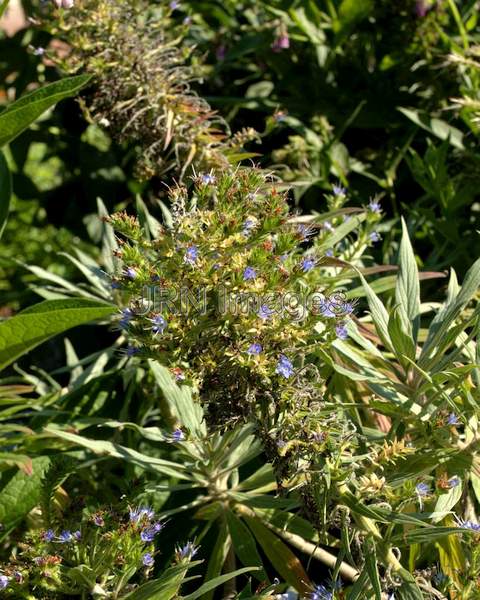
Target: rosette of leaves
{"x": 143, "y": 72}
{"x": 226, "y": 295}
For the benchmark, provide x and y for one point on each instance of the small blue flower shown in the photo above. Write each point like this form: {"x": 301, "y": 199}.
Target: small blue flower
{"x": 307, "y": 264}
{"x": 328, "y": 226}
{"x": 249, "y": 273}
{"x": 338, "y": 190}
{"x": 320, "y": 592}
{"x": 341, "y": 331}
{"x": 148, "y": 534}
{"x": 115, "y": 285}
{"x": 284, "y": 367}
{"x": 130, "y": 272}
{"x": 139, "y": 513}
{"x": 65, "y": 537}
{"x": 469, "y": 525}
{"x": 281, "y": 443}
{"x": 187, "y": 20}
{"x": 374, "y": 236}
{"x": 127, "y": 316}
{"x": 207, "y": 179}
{"x": 439, "y": 578}
{"x": 347, "y": 308}
{"x": 248, "y": 226}
{"x": 187, "y": 551}
{"x": 4, "y": 581}
{"x": 159, "y": 324}
{"x": 178, "y": 435}
{"x": 422, "y": 489}
{"x": 98, "y": 520}
{"x": 454, "y": 481}
{"x": 132, "y": 350}
{"x": 329, "y": 252}
{"x": 191, "y": 255}
{"x": 77, "y": 535}
{"x": 305, "y": 232}
{"x": 39, "y": 51}
{"x": 255, "y": 349}
{"x": 374, "y": 206}
{"x": 148, "y": 560}
{"x": 453, "y": 419}
{"x": 326, "y": 309}
{"x": 265, "y": 312}
{"x": 174, "y": 5}
{"x": 48, "y": 536}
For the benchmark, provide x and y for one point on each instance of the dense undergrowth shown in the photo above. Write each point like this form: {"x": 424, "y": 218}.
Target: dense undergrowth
{"x": 239, "y": 297}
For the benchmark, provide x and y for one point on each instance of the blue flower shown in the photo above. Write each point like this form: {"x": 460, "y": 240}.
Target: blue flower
{"x": 374, "y": 237}
{"x": 265, "y": 312}
{"x": 130, "y": 272}
{"x": 329, "y": 252}
{"x": 281, "y": 443}
{"x": 148, "y": 534}
{"x": 453, "y": 419}
{"x": 284, "y": 367}
{"x": 423, "y": 489}
{"x": 148, "y": 560}
{"x": 127, "y": 316}
{"x": 248, "y": 227}
{"x": 207, "y": 178}
{"x": 320, "y": 592}
{"x": 326, "y": 309}
{"x": 178, "y": 435}
{"x": 187, "y": 20}
{"x": 191, "y": 255}
{"x": 3, "y": 582}
{"x": 328, "y": 226}
{"x": 338, "y": 190}
{"x": 255, "y": 349}
{"x": 98, "y": 520}
{"x": 187, "y": 551}
{"x": 65, "y": 537}
{"x": 249, "y": 273}
{"x": 174, "y": 5}
{"x": 139, "y": 513}
{"x": 374, "y": 206}
{"x": 48, "y": 536}
{"x": 77, "y": 535}
{"x": 454, "y": 481}
{"x": 307, "y": 264}
{"x": 341, "y": 331}
{"x": 159, "y": 324}
{"x": 132, "y": 350}
{"x": 469, "y": 525}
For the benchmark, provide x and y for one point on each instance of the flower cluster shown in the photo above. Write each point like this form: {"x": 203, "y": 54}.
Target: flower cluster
{"x": 114, "y": 550}
{"x": 235, "y": 294}
{"x": 143, "y": 73}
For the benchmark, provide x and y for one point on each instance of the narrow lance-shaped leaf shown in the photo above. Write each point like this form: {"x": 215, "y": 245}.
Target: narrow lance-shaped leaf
{"x": 407, "y": 291}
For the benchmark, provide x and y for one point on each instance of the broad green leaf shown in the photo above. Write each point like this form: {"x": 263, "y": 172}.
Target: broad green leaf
{"x": 244, "y": 545}
{"x": 31, "y": 327}
{"x": 103, "y": 448}
{"x": 164, "y": 588}
{"x": 437, "y": 127}
{"x": 5, "y": 192}
{"x": 407, "y": 292}
{"x": 22, "y": 492}
{"x": 214, "y": 583}
{"x": 19, "y": 115}
{"x": 282, "y": 558}
{"x": 445, "y": 502}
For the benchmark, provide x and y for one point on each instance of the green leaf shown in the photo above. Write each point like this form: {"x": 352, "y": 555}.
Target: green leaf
{"x": 282, "y": 558}
{"x": 22, "y": 492}
{"x": 31, "y": 327}
{"x": 244, "y": 545}
{"x": 214, "y": 583}
{"x": 19, "y": 115}
{"x": 164, "y": 588}
{"x": 436, "y": 127}
{"x": 371, "y": 566}
{"x": 217, "y": 557}
{"x": 101, "y": 447}
{"x": 407, "y": 291}
{"x": 5, "y": 191}
{"x": 379, "y": 314}
{"x": 446, "y": 502}
{"x": 3, "y": 7}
